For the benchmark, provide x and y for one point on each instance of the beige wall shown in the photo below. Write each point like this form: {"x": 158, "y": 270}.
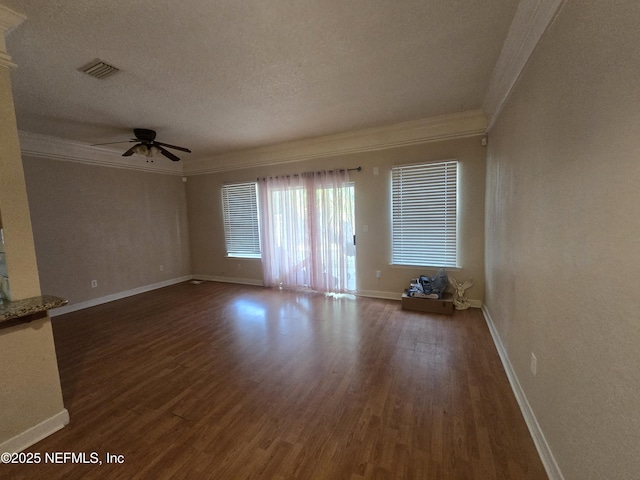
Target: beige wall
{"x": 112, "y": 225}
{"x": 20, "y": 254}
{"x": 30, "y": 391}
{"x": 563, "y": 236}
{"x": 372, "y": 209}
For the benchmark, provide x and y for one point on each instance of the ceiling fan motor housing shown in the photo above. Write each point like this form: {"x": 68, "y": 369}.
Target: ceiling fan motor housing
{"x": 144, "y": 134}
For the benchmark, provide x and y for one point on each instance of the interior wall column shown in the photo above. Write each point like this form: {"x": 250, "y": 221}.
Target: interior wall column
{"x": 14, "y": 206}
{"x": 31, "y": 405}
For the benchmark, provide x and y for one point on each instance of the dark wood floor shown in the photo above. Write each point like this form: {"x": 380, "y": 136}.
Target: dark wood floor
{"x": 218, "y": 381}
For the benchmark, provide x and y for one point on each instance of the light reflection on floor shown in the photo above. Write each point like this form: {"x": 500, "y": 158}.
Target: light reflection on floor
{"x": 249, "y": 314}
{"x": 254, "y": 319}
{"x": 312, "y": 338}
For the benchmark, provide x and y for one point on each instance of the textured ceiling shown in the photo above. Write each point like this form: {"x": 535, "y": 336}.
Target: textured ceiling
{"x": 229, "y": 75}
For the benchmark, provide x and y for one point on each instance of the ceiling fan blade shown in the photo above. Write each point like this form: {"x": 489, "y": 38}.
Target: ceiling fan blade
{"x": 168, "y": 154}
{"x": 111, "y": 143}
{"x": 130, "y": 152}
{"x": 173, "y": 146}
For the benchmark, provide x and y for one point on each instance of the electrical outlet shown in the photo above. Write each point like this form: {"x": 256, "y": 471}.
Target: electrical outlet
{"x": 94, "y": 283}
{"x": 534, "y": 364}
{"x": 161, "y": 268}
{"x": 378, "y": 274}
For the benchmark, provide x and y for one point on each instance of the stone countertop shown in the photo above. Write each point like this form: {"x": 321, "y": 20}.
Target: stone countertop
{"x": 10, "y": 310}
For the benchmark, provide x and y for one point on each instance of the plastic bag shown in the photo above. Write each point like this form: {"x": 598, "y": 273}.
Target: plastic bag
{"x": 439, "y": 283}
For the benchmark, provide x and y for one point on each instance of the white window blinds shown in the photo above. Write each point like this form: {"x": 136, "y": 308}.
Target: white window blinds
{"x": 424, "y": 214}
{"x": 241, "y": 228}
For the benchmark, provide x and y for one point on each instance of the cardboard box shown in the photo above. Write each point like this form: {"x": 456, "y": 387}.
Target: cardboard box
{"x": 443, "y": 305}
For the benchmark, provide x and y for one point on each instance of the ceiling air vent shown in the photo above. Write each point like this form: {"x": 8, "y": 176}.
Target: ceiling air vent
{"x": 99, "y": 69}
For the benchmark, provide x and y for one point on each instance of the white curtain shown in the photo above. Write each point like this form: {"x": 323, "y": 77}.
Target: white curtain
{"x": 307, "y": 231}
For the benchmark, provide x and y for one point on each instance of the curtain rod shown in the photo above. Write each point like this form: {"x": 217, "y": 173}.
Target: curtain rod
{"x": 356, "y": 169}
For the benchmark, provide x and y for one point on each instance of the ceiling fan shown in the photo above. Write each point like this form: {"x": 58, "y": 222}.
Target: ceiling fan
{"x": 147, "y": 145}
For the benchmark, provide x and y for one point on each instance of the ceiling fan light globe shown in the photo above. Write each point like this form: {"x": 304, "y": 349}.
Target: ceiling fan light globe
{"x": 141, "y": 150}
{"x": 153, "y": 151}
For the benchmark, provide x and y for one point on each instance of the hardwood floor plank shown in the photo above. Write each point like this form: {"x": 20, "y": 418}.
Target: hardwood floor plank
{"x": 225, "y": 381}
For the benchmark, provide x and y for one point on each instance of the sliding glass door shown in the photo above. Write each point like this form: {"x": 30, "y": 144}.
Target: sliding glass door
{"x": 333, "y": 238}
{"x": 308, "y": 231}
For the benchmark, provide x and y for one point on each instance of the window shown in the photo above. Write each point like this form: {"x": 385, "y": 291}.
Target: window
{"x": 424, "y": 218}
{"x": 241, "y": 228}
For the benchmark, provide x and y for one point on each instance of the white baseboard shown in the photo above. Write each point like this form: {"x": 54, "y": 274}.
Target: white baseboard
{"x": 475, "y": 303}
{"x": 116, "y": 296}
{"x": 36, "y": 433}
{"x": 546, "y": 455}
{"x": 238, "y": 280}
{"x": 211, "y": 278}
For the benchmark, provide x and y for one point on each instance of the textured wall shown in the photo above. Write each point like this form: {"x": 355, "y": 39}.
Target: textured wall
{"x": 563, "y": 236}
{"x": 112, "y": 225}
{"x": 372, "y": 197}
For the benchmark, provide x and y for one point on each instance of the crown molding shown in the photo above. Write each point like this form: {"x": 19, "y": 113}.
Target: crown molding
{"x": 531, "y": 20}
{"x": 44, "y": 146}
{"x": 5, "y": 61}
{"x": 445, "y": 127}
{"x": 8, "y": 21}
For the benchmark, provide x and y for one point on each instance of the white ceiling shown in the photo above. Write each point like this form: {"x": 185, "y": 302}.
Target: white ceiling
{"x": 226, "y": 75}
